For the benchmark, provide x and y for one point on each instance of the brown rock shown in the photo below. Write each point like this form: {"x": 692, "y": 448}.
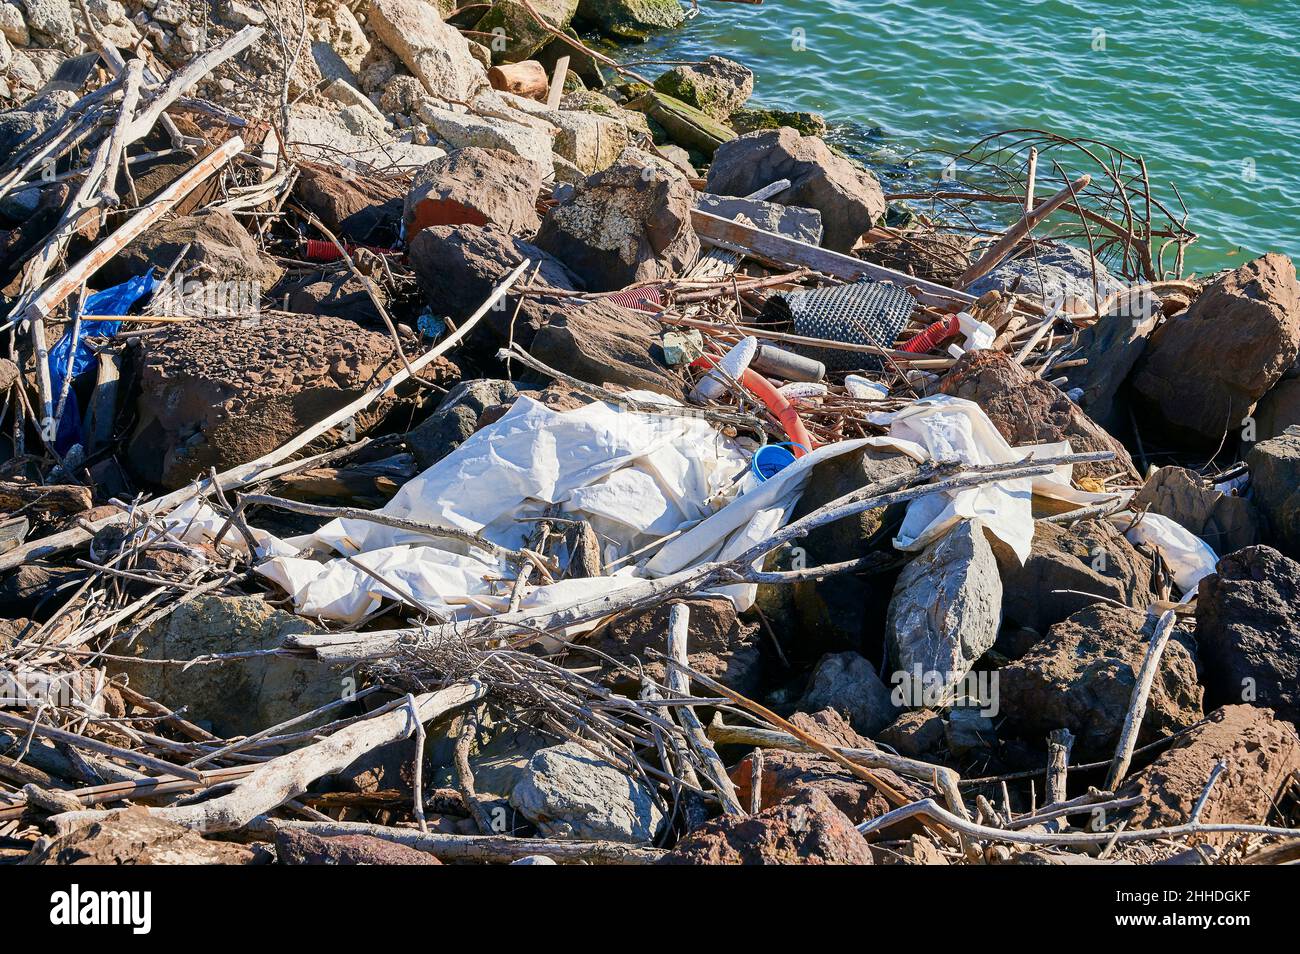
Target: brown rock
{"x": 364, "y": 209}
{"x": 1275, "y": 487}
{"x": 806, "y": 830}
{"x": 1081, "y": 675}
{"x": 915, "y": 734}
{"x": 220, "y": 250}
{"x": 1205, "y": 368}
{"x": 1262, "y": 754}
{"x": 1226, "y": 522}
{"x": 475, "y": 186}
{"x": 1278, "y": 409}
{"x": 719, "y": 644}
{"x": 459, "y": 266}
{"x": 1027, "y": 410}
{"x": 847, "y": 195}
{"x": 603, "y": 343}
{"x": 1248, "y": 629}
{"x": 216, "y": 394}
{"x": 294, "y": 847}
{"x": 340, "y": 294}
{"x": 134, "y": 837}
{"x": 1092, "y": 560}
{"x": 628, "y": 223}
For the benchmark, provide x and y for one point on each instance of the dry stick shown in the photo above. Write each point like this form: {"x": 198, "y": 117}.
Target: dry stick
{"x": 756, "y": 781}
{"x": 366, "y": 283}
{"x": 679, "y": 684}
{"x": 483, "y": 849}
{"x": 133, "y": 75}
{"x": 417, "y": 772}
{"x": 556, "y": 92}
{"x": 1137, "y": 706}
{"x": 928, "y": 808}
{"x": 465, "y": 775}
{"x": 1004, "y": 246}
{"x": 264, "y": 466}
{"x": 94, "y": 745}
{"x": 1059, "y": 744}
{"x": 375, "y": 516}
{"x": 273, "y": 783}
{"x": 1031, "y": 176}
{"x": 943, "y": 778}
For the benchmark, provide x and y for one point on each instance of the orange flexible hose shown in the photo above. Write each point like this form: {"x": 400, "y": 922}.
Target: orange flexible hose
{"x": 775, "y": 402}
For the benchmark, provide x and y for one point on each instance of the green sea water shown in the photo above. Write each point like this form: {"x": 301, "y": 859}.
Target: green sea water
{"x": 1208, "y": 91}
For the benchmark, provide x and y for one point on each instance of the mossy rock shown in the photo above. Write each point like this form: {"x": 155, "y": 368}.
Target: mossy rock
{"x": 718, "y": 86}
{"x": 633, "y": 20}
{"x": 685, "y": 125}
{"x": 522, "y": 35}
{"x": 755, "y": 120}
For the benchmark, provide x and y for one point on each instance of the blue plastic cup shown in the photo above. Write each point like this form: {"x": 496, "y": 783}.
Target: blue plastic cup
{"x": 770, "y": 459}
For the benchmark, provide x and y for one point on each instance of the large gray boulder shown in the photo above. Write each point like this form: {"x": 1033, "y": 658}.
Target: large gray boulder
{"x": 1275, "y": 487}
{"x": 627, "y": 224}
{"x": 1204, "y": 369}
{"x": 848, "y": 683}
{"x": 847, "y": 195}
{"x": 569, "y": 792}
{"x": 946, "y": 610}
{"x": 435, "y": 53}
{"x": 789, "y": 220}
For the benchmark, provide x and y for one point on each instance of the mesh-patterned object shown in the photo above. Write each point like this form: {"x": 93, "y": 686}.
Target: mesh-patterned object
{"x": 866, "y": 312}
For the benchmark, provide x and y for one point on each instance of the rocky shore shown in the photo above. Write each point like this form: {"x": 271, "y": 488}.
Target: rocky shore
{"x": 427, "y": 439}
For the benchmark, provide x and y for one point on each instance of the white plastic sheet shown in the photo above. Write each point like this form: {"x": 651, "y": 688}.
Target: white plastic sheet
{"x": 1188, "y": 557}
{"x": 944, "y": 428}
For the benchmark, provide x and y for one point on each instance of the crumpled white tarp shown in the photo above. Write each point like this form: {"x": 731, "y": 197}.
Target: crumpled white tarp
{"x": 637, "y": 478}
{"x": 1188, "y": 557}
{"x": 945, "y": 428}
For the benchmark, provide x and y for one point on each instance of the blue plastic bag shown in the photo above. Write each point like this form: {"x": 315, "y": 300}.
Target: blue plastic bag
{"x": 111, "y": 301}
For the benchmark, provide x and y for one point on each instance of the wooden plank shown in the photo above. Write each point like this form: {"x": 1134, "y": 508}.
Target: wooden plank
{"x": 71, "y": 280}
{"x": 557, "y": 83}
{"x": 738, "y": 237}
